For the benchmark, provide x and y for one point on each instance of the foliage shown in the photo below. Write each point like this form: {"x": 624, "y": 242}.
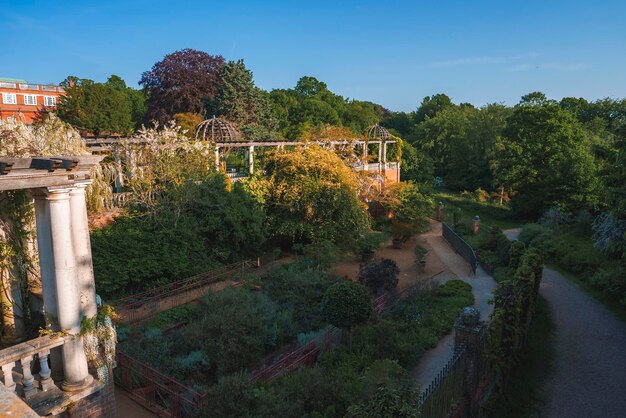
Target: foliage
{"x": 99, "y": 340}
{"x": 181, "y": 83}
{"x": 346, "y": 304}
{"x": 242, "y": 325}
{"x": 192, "y": 227}
{"x": 408, "y": 204}
{"x": 370, "y": 241}
{"x": 379, "y": 276}
{"x": 387, "y": 403}
{"x": 188, "y": 123}
{"x": 544, "y": 155}
{"x": 99, "y": 108}
{"x": 310, "y": 195}
{"x": 48, "y": 138}
{"x": 238, "y": 100}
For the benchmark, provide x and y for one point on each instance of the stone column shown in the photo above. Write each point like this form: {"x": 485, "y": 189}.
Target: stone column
{"x": 251, "y": 159}
{"x": 119, "y": 175}
{"x": 380, "y": 157}
{"x": 82, "y": 250}
{"x": 67, "y": 289}
{"x": 384, "y": 152}
{"x": 217, "y": 158}
{"x": 476, "y": 224}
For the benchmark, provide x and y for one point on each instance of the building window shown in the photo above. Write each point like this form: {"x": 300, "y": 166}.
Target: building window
{"x": 9, "y": 98}
{"x": 30, "y": 99}
{"x": 49, "y": 101}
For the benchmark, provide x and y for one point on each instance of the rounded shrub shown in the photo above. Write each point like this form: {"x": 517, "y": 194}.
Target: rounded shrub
{"x": 346, "y": 304}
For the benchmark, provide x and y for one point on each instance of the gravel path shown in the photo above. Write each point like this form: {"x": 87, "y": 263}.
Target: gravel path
{"x": 589, "y": 376}
{"x": 455, "y": 268}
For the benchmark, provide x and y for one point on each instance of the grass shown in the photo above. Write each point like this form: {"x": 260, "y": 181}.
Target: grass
{"x": 490, "y": 214}
{"x": 523, "y": 397}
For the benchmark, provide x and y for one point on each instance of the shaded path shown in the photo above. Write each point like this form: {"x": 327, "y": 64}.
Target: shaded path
{"x": 482, "y": 287}
{"x": 589, "y": 376}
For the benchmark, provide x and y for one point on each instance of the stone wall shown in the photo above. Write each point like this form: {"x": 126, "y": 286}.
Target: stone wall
{"x": 100, "y": 404}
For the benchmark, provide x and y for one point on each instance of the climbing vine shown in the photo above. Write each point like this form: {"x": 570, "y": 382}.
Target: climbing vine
{"x": 99, "y": 339}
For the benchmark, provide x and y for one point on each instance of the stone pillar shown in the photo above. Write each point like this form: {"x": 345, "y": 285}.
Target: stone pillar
{"x": 380, "y": 157}
{"x": 476, "y": 224}
{"x": 251, "y": 159}
{"x": 65, "y": 279}
{"x": 384, "y": 152}
{"x": 82, "y": 250}
{"x": 364, "y": 156}
{"x": 440, "y": 214}
{"x": 468, "y": 333}
{"x": 217, "y": 158}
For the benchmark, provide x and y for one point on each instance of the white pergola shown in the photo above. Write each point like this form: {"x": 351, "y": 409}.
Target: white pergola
{"x": 57, "y": 186}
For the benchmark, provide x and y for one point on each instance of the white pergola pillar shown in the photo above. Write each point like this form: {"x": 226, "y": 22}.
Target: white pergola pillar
{"x": 251, "y": 159}
{"x": 384, "y": 152}
{"x": 65, "y": 282}
{"x": 82, "y": 250}
{"x": 217, "y": 158}
{"x": 380, "y": 157}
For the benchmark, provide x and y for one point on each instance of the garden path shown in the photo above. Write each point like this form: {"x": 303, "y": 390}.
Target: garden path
{"x": 455, "y": 268}
{"x": 589, "y": 371}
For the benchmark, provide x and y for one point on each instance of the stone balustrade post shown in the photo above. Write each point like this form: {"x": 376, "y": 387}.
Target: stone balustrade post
{"x": 45, "y": 380}
{"x": 27, "y": 378}
{"x": 7, "y": 374}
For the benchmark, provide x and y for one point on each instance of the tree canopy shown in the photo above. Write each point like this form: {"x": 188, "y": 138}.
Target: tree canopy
{"x": 182, "y": 82}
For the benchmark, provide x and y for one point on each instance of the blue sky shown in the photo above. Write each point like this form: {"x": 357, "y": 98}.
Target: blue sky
{"x": 392, "y": 52}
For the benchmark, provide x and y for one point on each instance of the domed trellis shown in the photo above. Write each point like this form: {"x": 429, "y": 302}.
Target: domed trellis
{"x": 377, "y": 133}
{"x": 217, "y": 130}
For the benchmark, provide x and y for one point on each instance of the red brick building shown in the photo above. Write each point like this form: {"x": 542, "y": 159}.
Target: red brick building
{"x": 26, "y": 101}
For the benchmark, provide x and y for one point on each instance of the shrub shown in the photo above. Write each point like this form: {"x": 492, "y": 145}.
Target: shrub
{"x": 516, "y": 251}
{"x": 611, "y": 278}
{"x": 379, "y": 275}
{"x": 346, "y": 304}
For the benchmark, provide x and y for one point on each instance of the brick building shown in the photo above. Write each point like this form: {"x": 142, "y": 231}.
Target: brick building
{"x": 27, "y": 101}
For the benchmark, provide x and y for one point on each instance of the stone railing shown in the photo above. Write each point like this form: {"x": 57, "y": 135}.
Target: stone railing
{"x": 18, "y": 361}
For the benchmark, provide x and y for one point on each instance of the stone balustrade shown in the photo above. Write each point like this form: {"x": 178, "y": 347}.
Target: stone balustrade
{"x": 18, "y": 362}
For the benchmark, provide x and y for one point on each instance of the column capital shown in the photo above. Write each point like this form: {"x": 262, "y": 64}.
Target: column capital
{"x": 52, "y": 194}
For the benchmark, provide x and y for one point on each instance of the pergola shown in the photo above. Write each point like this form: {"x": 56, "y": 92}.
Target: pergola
{"x": 57, "y": 186}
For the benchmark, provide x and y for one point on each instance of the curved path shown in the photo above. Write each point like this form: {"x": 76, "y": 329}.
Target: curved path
{"x": 457, "y": 268}
{"x": 589, "y": 372}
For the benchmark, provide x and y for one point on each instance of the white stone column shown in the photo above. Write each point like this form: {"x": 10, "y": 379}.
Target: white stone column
{"x": 67, "y": 289}
{"x": 251, "y": 159}
{"x": 217, "y": 158}
{"x": 46, "y": 263}
{"x": 384, "y": 152}
{"x": 380, "y": 157}
{"x": 82, "y": 250}
{"x": 119, "y": 175}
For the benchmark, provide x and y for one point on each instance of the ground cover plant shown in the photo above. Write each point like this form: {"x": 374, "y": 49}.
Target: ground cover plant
{"x": 370, "y": 373}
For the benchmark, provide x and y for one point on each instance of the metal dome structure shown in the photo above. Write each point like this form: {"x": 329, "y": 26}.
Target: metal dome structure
{"x": 217, "y": 130}
{"x": 377, "y": 133}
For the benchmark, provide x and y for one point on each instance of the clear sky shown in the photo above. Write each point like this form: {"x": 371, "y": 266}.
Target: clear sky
{"x": 390, "y": 52}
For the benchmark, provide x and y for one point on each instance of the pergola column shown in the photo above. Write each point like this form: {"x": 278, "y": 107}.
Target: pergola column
{"x": 61, "y": 273}
{"x": 82, "y": 250}
{"x": 385, "y": 152}
{"x": 217, "y": 158}
{"x": 251, "y": 159}
{"x": 380, "y": 156}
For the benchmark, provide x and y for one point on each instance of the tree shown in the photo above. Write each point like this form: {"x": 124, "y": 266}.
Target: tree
{"x": 379, "y": 275}
{"x": 346, "y": 304}
{"x": 431, "y": 105}
{"x": 310, "y": 195}
{"x": 96, "y": 107}
{"x": 544, "y": 155}
{"x": 240, "y": 101}
{"x": 182, "y": 82}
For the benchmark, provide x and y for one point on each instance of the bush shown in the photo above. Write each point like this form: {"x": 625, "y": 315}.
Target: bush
{"x": 611, "y": 279}
{"x": 379, "y": 275}
{"x": 346, "y": 304}
{"x": 235, "y": 327}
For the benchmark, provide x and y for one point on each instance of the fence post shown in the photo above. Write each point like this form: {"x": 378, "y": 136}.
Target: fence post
{"x": 440, "y": 212}
{"x": 468, "y": 330}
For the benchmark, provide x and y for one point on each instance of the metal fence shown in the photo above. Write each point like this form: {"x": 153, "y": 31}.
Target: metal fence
{"x": 143, "y": 305}
{"x": 460, "y": 246}
{"x": 157, "y": 392}
{"x": 445, "y": 392}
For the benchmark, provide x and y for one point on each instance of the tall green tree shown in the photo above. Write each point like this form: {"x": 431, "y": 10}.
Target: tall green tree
{"x": 545, "y": 156}
{"x": 98, "y": 108}
{"x": 240, "y": 101}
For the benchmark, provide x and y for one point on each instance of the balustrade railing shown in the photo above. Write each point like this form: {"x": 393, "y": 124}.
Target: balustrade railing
{"x": 19, "y": 361}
